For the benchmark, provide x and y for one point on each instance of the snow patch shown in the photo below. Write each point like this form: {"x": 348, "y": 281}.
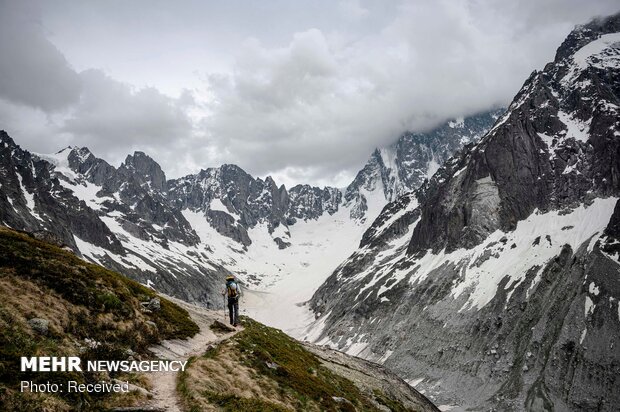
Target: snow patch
{"x": 602, "y": 53}
{"x": 279, "y": 281}
{"x": 216, "y": 204}
{"x": 414, "y": 382}
{"x": 593, "y": 289}
{"x": 589, "y": 306}
{"x": 584, "y": 56}
{"x": 457, "y": 123}
{"x": 432, "y": 167}
{"x": 548, "y": 140}
{"x": 482, "y": 281}
{"x": 30, "y": 204}
{"x": 575, "y": 128}
{"x": 385, "y": 356}
{"x": 355, "y": 349}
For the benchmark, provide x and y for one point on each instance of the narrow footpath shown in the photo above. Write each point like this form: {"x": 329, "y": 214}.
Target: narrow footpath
{"x": 165, "y": 397}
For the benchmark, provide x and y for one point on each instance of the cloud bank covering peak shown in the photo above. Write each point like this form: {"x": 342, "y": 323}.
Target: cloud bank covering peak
{"x": 301, "y": 92}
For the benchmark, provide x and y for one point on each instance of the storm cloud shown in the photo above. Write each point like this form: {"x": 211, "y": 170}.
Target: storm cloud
{"x": 303, "y": 92}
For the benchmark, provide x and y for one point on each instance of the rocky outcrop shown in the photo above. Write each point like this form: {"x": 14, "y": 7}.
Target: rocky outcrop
{"x": 556, "y": 146}
{"x": 405, "y": 165}
{"x": 308, "y": 202}
{"x": 146, "y": 171}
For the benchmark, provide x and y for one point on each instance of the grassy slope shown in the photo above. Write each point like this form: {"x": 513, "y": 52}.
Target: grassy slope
{"x": 83, "y": 302}
{"x": 262, "y": 369}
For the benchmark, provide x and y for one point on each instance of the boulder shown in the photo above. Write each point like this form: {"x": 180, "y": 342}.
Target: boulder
{"x": 154, "y": 305}
{"x": 40, "y": 325}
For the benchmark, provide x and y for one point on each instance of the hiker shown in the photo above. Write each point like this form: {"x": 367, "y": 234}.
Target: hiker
{"x": 233, "y": 291}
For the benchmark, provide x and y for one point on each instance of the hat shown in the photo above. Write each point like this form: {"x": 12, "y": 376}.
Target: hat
{"x": 230, "y": 277}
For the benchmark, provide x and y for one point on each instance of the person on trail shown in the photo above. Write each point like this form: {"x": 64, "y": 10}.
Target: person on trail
{"x": 233, "y": 291}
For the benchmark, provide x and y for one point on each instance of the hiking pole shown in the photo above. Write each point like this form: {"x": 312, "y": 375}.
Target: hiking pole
{"x": 224, "y": 296}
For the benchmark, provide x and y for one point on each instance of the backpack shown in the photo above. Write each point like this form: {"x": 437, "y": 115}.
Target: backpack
{"x": 231, "y": 288}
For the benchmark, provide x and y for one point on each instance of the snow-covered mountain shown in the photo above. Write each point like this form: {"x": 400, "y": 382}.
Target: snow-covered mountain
{"x": 114, "y": 217}
{"x": 403, "y": 166}
{"x": 181, "y": 235}
{"x": 497, "y": 284}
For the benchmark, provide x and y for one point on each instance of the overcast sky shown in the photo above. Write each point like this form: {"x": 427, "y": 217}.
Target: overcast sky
{"x": 300, "y": 90}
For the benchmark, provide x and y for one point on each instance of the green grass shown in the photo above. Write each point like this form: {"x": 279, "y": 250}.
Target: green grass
{"x": 280, "y": 366}
{"x": 189, "y": 401}
{"x": 233, "y": 403}
{"x": 102, "y": 305}
{"x": 298, "y": 371}
{"x": 393, "y": 404}
{"x": 88, "y": 285}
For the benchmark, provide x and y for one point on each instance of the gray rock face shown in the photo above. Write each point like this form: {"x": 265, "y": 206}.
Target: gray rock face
{"x": 404, "y": 166}
{"x": 307, "y": 202}
{"x": 32, "y": 199}
{"x": 146, "y": 171}
{"x": 469, "y": 289}
{"x": 134, "y": 194}
{"x": 249, "y": 201}
{"x": 537, "y": 154}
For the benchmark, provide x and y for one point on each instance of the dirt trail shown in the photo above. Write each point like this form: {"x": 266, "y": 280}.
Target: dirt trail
{"x": 164, "y": 383}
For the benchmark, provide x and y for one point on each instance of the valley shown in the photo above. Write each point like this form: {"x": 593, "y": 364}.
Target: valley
{"x": 477, "y": 260}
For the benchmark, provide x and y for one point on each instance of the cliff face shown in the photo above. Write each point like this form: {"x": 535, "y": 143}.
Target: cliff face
{"x": 496, "y": 284}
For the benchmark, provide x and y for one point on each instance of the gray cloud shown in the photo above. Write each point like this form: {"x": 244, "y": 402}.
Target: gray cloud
{"x": 49, "y": 105}
{"x": 306, "y": 100}
{"x": 318, "y": 106}
{"x": 32, "y": 70}
{"x": 113, "y": 118}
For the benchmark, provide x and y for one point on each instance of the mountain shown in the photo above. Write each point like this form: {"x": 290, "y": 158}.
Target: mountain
{"x": 181, "y": 236}
{"x": 496, "y": 284}
{"x": 404, "y": 166}
{"x": 112, "y": 216}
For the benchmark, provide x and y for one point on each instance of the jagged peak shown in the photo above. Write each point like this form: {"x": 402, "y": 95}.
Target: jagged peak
{"x": 586, "y": 33}
{"x": 138, "y": 155}
{"x": 83, "y": 153}
{"x": 146, "y": 169}
{"x": 6, "y": 139}
{"x": 231, "y": 167}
